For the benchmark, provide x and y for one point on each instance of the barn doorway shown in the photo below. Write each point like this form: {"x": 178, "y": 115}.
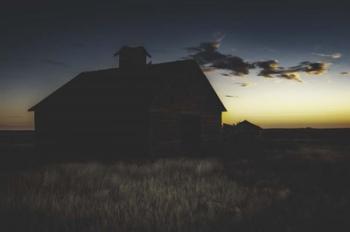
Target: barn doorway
{"x": 190, "y": 126}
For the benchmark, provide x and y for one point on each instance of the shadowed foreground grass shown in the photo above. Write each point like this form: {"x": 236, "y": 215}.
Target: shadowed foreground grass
{"x": 165, "y": 195}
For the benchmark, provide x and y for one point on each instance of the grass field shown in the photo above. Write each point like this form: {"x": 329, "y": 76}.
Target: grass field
{"x": 166, "y": 195}
{"x": 305, "y": 188}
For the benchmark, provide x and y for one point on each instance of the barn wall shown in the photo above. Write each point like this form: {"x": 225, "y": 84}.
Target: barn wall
{"x": 164, "y": 135}
{"x": 165, "y": 132}
{"x": 125, "y": 131}
{"x": 211, "y": 126}
{"x": 211, "y": 132}
{"x": 187, "y": 94}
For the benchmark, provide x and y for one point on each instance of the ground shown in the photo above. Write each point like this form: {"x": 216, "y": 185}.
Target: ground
{"x": 296, "y": 186}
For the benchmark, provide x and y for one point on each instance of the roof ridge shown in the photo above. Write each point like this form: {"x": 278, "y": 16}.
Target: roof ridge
{"x": 150, "y": 65}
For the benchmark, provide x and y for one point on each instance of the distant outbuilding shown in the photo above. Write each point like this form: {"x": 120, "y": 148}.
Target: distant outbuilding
{"x": 246, "y": 126}
{"x": 246, "y": 130}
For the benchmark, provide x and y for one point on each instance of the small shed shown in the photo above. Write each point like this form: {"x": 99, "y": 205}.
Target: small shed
{"x": 245, "y": 131}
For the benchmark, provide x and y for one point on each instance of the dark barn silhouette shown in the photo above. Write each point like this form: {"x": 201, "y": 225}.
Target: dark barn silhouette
{"x": 137, "y": 108}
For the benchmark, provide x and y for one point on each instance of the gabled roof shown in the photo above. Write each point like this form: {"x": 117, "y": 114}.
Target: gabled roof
{"x": 124, "y": 88}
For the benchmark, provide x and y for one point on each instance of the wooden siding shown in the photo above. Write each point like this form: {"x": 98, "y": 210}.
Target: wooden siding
{"x": 165, "y": 131}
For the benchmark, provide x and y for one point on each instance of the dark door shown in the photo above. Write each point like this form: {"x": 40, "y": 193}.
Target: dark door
{"x": 190, "y": 126}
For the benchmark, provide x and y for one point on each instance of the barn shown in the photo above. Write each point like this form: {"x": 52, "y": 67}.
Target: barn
{"x": 138, "y": 107}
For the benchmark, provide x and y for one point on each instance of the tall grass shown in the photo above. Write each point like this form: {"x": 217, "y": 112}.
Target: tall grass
{"x": 165, "y": 195}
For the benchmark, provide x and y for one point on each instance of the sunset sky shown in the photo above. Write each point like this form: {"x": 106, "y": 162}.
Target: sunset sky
{"x": 273, "y": 63}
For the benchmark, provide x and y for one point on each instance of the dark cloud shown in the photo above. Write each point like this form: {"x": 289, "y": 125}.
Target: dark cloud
{"x": 207, "y": 55}
{"x": 231, "y": 96}
{"x": 291, "y": 76}
{"x": 268, "y": 68}
{"x": 242, "y": 84}
{"x": 55, "y": 63}
{"x": 316, "y": 68}
{"x": 272, "y": 69}
{"x": 268, "y": 64}
{"x": 234, "y": 63}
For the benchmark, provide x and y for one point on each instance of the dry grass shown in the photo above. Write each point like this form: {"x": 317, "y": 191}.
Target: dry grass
{"x": 165, "y": 195}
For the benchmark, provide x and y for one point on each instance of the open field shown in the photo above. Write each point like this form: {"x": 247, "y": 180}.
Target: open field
{"x": 295, "y": 187}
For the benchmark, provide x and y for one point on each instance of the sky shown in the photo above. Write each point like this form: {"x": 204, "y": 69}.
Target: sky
{"x": 274, "y": 63}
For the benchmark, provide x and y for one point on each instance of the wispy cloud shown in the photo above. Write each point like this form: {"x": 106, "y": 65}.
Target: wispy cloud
{"x": 55, "y": 63}
{"x": 345, "y": 73}
{"x": 335, "y": 55}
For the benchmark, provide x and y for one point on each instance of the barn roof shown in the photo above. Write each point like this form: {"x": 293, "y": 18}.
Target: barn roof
{"x": 125, "y": 88}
